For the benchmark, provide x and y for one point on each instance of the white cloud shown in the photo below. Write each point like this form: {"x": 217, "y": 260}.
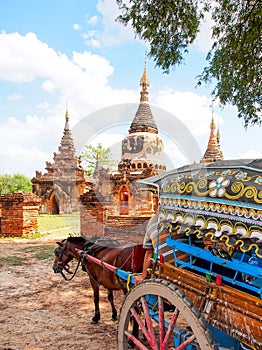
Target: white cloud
{"x": 84, "y": 77}
{"x": 27, "y": 160}
{"x": 14, "y": 97}
{"x": 76, "y": 26}
{"x": 26, "y": 144}
{"x": 92, "y": 20}
{"x": 82, "y": 81}
{"x": 92, "y": 39}
{"x": 108, "y": 31}
{"x": 24, "y": 58}
{"x": 251, "y": 154}
{"x": 190, "y": 108}
{"x": 113, "y": 32}
{"x": 93, "y": 43}
{"x": 204, "y": 39}
{"x": 48, "y": 86}
{"x": 174, "y": 155}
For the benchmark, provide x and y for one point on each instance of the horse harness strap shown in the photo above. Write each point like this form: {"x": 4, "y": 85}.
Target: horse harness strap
{"x": 69, "y": 279}
{"x": 73, "y": 275}
{"x": 127, "y": 259}
{"x": 82, "y": 259}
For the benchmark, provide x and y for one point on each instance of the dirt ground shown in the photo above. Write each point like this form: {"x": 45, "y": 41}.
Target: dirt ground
{"x": 40, "y": 310}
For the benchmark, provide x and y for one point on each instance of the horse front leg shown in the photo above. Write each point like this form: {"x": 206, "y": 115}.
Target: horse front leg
{"x": 110, "y": 298}
{"x": 95, "y": 287}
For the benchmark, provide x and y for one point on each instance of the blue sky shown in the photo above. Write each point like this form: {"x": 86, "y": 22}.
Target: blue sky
{"x": 72, "y": 53}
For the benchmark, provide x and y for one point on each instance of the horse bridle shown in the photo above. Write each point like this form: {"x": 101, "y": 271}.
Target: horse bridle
{"x": 59, "y": 253}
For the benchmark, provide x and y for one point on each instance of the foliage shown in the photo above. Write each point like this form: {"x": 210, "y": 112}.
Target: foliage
{"x": 234, "y": 60}
{"x": 94, "y": 156}
{"x": 14, "y": 183}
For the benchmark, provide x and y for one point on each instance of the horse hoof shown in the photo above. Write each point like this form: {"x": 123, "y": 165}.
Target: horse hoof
{"x": 94, "y": 321}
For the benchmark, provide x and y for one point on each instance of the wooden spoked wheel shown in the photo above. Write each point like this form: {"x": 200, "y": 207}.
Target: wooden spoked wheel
{"x": 161, "y": 312}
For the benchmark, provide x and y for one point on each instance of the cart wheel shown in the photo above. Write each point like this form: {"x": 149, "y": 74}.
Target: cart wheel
{"x": 165, "y": 318}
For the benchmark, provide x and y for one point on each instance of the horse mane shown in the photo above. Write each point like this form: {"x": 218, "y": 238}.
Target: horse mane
{"x": 106, "y": 241}
{"x": 77, "y": 239}
{"x": 99, "y": 242}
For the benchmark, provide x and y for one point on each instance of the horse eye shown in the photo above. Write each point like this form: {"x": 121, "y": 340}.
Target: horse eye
{"x": 56, "y": 251}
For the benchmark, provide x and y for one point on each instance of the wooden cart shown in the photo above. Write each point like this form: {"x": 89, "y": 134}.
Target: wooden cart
{"x": 209, "y": 295}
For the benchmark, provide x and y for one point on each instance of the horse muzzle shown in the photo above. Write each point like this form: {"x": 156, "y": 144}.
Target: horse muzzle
{"x": 57, "y": 268}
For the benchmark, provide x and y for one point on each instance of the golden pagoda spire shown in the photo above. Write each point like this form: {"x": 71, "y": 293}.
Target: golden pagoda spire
{"x": 66, "y": 118}
{"x": 144, "y": 82}
{"x": 212, "y": 125}
{"x": 213, "y": 152}
{"x": 144, "y": 120}
{"x": 218, "y": 136}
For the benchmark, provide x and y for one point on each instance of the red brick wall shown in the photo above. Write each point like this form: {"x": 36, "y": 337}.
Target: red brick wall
{"x": 19, "y": 214}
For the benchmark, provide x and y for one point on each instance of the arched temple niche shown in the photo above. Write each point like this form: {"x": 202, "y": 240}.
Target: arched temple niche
{"x": 124, "y": 201}
{"x": 54, "y": 205}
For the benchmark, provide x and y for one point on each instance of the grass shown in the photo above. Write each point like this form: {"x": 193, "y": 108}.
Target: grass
{"x": 36, "y": 252}
{"x": 40, "y": 252}
{"x": 68, "y": 223}
{"x": 12, "y": 260}
{"x": 44, "y": 252}
{"x": 47, "y": 223}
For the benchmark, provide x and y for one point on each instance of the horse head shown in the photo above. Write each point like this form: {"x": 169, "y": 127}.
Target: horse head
{"x": 62, "y": 257}
{"x": 67, "y": 250}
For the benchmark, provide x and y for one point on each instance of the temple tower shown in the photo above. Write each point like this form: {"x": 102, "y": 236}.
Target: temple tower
{"x": 60, "y": 187}
{"x": 115, "y": 206}
{"x": 142, "y": 146}
{"x": 213, "y": 152}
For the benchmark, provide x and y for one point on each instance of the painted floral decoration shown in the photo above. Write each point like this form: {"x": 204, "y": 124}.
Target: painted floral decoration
{"x": 217, "y": 188}
{"x": 258, "y": 180}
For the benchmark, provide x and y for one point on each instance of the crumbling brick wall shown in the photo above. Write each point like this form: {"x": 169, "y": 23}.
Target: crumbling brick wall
{"x": 19, "y": 214}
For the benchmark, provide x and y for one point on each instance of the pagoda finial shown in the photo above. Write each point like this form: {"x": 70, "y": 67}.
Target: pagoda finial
{"x": 144, "y": 82}
{"x": 66, "y": 114}
{"x": 218, "y": 136}
{"x": 212, "y": 124}
{"x": 66, "y": 118}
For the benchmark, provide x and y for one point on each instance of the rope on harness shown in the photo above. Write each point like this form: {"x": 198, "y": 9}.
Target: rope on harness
{"x": 128, "y": 281}
{"x": 69, "y": 279}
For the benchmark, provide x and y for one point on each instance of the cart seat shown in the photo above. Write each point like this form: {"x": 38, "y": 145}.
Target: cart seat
{"x": 138, "y": 254}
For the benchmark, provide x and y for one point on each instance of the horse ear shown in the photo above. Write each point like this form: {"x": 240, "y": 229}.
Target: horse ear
{"x": 60, "y": 244}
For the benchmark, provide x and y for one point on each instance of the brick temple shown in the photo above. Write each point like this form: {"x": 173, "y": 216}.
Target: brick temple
{"x": 64, "y": 181}
{"x": 115, "y": 205}
{"x": 112, "y": 203}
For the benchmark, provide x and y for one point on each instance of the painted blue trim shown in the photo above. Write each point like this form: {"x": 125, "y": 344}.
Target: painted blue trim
{"x": 224, "y": 339}
{"x": 123, "y": 274}
{"x": 235, "y": 264}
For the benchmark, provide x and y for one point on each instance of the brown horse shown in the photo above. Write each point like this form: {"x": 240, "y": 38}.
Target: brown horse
{"x": 107, "y": 251}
